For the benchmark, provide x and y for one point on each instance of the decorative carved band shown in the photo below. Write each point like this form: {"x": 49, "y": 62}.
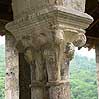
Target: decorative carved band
{"x": 37, "y": 84}
{"x": 56, "y": 83}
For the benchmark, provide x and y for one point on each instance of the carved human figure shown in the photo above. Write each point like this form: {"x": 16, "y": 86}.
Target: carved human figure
{"x": 53, "y": 55}
{"x": 68, "y": 56}
{"x": 34, "y": 58}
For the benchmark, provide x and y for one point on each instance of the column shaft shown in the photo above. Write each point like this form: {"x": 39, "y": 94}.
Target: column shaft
{"x": 12, "y": 69}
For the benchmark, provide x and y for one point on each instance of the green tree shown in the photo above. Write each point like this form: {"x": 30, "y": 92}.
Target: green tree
{"x": 83, "y": 78}
{"x": 2, "y": 71}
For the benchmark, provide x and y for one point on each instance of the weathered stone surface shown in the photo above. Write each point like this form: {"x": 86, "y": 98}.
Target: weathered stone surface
{"x": 35, "y": 6}
{"x": 78, "y": 5}
{"x": 12, "y": 69}
{"x": 46, "y": 29}
{"x": 38, "y": 80}
{"x": 60, "y": 92}
{"x": 68, "y": 56}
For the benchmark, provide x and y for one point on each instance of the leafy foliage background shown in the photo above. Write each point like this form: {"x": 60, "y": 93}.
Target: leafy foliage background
{"x": 2, "y": 71}
{"x": 83, "y": 78}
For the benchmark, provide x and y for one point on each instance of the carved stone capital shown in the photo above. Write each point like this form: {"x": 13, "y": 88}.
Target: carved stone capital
{"x": 46, "y": 31}
{"x": 40, "y": 28}
{"x": 75, "y": 36}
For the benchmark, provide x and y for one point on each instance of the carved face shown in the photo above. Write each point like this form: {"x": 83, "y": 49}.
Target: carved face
{"x": 59, "y": 36}
{"x": 80, "y": 41}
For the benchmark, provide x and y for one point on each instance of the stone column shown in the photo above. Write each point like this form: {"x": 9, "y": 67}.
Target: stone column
{"x": 12, "y": 69}
{"x": 97, "y": 65}
{"x": 45, "y": 32}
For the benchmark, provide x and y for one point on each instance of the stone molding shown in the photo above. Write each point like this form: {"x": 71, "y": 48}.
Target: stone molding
{"x": 39, "y": 27}
{"x": 69, "y": 16}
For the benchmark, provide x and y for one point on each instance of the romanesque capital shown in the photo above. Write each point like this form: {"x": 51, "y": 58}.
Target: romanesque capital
{"x": 37, "y": 29}
{"x": 46, "y": 31}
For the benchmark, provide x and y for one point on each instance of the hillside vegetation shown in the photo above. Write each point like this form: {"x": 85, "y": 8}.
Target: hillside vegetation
{"x": 82, "y": 77}
{"x": 2, "y": 71}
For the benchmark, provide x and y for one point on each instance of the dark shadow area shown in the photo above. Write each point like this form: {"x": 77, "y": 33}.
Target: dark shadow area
{"x": 24, "y": 78}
